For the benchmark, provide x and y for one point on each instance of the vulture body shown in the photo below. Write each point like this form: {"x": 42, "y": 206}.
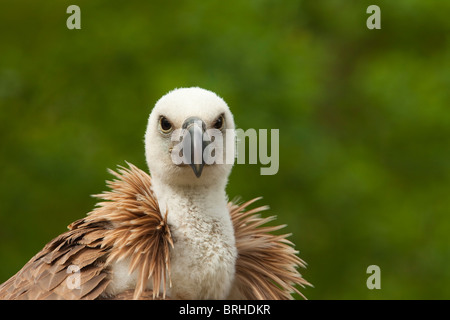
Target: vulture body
{"x": 170, "y": 235}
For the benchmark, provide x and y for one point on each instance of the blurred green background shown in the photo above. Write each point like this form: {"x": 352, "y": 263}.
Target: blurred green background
{"x": 364, "y": 119}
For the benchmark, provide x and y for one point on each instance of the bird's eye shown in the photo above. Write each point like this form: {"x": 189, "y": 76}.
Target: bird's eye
{"x": 219, "y": 122}
{"x": 165, "y": 125}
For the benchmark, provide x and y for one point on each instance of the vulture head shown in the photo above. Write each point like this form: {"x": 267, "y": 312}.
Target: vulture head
{"x": 189, "y": 134}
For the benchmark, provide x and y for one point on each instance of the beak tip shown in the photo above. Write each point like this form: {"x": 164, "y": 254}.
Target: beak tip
{"x": 198, "y": 169}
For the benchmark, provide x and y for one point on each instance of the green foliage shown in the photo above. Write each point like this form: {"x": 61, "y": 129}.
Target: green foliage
{"x": 363, "y": 116}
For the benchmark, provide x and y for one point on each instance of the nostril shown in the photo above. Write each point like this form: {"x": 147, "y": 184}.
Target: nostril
{"x": 194, "y": 121}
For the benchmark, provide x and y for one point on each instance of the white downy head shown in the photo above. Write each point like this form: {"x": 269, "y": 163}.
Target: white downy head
{"x": 181, "y": 109}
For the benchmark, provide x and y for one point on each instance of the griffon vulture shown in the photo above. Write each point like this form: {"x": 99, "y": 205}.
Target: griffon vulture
{"x": 171, "y": 235}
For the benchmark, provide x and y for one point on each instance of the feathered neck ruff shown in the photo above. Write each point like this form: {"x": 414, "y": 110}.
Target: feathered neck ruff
{"x": 266, "y": 267}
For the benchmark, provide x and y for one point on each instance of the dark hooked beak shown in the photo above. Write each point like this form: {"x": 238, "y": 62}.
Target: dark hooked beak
{"x": 194, "y": 142}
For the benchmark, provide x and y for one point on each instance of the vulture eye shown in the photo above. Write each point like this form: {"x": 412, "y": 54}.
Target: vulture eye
{"x": 219, "y": 123}
{"x": 165, "y": 125}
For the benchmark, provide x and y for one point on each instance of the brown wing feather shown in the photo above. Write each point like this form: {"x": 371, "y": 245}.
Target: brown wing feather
{"x": 126, "y": 224}
{"x": 45, "y": 276}
{"x": 267, "y": 264}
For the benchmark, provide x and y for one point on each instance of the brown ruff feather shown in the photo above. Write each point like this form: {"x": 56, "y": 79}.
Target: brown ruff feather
{"x": 267, "y": 264}
{"x": 140, "y": 233}
{"x": 128, "y": 224}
